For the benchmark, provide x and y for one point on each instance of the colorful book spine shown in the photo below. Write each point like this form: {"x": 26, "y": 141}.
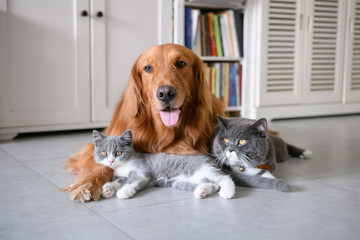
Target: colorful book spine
{"x": 217, "y": 36}
{"x": 188, "y": 27}
{"x": 212, "y": 34}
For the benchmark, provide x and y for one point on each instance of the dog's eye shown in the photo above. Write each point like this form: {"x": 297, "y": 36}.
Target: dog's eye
{"x": 148, "y": 68}
{"x": 180, "y": 64}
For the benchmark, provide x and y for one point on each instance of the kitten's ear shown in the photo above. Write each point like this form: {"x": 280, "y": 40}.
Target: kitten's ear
{"x": 261, "y": 126}
{"x": 223, "y": 121}
{"x": 127, "y": 137}
{"x": 98, "y": 138}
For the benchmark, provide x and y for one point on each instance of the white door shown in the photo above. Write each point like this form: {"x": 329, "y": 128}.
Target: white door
{"x": 44, "y": 62}
{"x": 281, "y": 50}
{"x": 352, "y": 62}
{"x": 122, "y": 32}
{"x": 324, "y": 41}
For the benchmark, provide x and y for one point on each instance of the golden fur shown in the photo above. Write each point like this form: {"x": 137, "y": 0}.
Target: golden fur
{"x": 139, "y": 109}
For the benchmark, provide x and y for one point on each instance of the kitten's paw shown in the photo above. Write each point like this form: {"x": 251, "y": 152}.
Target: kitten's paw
{"x": 307, "y": 154}
{"x": 283, "y": 186}
{"x": 108, "y": 190}
{"x": 125, "y": 192}
{"x": 205, "y": 189}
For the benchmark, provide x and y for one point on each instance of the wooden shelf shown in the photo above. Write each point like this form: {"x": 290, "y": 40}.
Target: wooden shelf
{"x": 220, "y": 59}
{"x": 233, "y": 109}
{"x": 213, "y": 5}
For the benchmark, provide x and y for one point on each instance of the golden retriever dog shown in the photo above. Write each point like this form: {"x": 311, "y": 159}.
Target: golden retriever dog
{"x": 168, "y": 107}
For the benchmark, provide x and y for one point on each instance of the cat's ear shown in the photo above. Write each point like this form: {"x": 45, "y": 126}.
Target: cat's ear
{"x": 260, "y": 126}
{"x": 127, "y": 137}
{"x": 223, "y": 121}
{"x": 98, "y": 138}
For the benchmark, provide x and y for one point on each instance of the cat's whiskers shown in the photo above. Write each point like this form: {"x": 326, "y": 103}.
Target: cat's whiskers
{"x": 248, "y": 160}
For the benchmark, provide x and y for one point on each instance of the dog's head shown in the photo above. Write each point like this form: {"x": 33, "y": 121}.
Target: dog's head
{"x": 167, "y": 80}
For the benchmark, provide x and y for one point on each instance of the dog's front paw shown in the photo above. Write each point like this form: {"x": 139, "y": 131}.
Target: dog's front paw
{"x": 125, "y": 192}
{"x": 108, "y": 190}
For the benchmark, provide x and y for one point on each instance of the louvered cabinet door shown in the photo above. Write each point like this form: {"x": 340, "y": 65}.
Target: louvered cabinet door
{"x": 281, "y": 43}
{"x": 352, "y": 62}
{"x": 323, "y": 61}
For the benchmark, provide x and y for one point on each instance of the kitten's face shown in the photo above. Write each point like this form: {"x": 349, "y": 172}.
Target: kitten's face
{"x": 243, "y": 141}
{"x": 111, "y": 151}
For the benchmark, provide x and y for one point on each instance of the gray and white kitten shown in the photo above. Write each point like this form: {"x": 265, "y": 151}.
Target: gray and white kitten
{"x": 244, "y": 149}
{"x": 135, "y": 171}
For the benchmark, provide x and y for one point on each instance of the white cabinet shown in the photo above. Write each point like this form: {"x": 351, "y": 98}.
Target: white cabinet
{"x": 64, "y": 64}
{"x": 305, "y": 58}
{"x": 44, "y": 63}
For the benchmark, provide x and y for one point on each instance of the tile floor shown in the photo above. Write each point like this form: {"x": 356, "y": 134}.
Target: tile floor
{"x": 324, "y": 202}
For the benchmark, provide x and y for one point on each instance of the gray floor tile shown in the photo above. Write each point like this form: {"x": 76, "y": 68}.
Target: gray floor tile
{"x": 146, "y": 197}
{"x": 56, "y": 145}
{"x": 316, "y": 212}
{"x": 349, "y": 182}
{"x": 53, "y": 170}
{"x": 33, "y": 208}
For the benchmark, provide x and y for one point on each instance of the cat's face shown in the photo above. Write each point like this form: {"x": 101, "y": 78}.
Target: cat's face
{"x": 111, "y": 151}
{"x": 243, "y": 141}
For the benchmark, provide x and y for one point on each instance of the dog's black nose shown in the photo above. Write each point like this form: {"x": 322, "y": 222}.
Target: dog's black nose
{"x": 166, "y": 93}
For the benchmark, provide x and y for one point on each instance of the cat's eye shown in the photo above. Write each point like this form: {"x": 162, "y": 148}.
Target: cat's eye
{"x": 103, "y": 154}
{"x": 118, "y": 153}
{"x": 226, "y": 141}
{"x": 242, "y": 141}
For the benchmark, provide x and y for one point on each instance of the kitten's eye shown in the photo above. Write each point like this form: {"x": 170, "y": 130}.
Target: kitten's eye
{"x": 242, "y": 141}
{"x": 148, "y": 68}
{"x": 180, "y": 64}
{"x": 103, "y": 154}
{"x": 118, "y": 153}
{"x": 226, "y": 141}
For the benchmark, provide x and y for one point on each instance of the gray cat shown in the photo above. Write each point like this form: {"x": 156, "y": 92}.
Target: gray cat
{"x": 245, "y": 150}
{"x": 135, "y": 171}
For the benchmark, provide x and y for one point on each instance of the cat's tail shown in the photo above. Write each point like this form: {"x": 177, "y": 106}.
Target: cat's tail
{"x": 298, "y": 152}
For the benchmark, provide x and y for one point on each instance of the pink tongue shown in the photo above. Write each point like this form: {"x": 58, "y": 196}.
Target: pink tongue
{"x": 170, "y": 118}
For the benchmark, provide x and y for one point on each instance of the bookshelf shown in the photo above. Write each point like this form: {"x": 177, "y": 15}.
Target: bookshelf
{"x": 226, "y": 62}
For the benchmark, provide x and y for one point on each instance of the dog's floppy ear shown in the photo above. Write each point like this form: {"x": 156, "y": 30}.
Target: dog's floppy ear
{"x": 132, "y": 98}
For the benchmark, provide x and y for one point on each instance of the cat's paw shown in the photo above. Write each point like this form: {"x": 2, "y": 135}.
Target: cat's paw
{"x": 205, "y": 189}
{"x": 227, "y": 191}
{"x": 108, "y": 190}
{"x": 307, "y": 154}
{"x": 125, "y": 192}
{"x": 283, "y": 186}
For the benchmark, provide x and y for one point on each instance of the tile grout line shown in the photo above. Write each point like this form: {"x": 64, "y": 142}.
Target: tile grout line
{"x": 149, "y": 205}
{"x": 102, "y": 217}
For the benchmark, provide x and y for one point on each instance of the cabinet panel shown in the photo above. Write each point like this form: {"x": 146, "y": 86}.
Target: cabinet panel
{"x": 279, "y": 61}
{"x": 126, "y": 29}
{"x": 324, "y": 51}
{"x": 44, "y": 62}
{"x": 352, "y": 61}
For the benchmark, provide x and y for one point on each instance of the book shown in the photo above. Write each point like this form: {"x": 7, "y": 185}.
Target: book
{"x": 212, "y": 39}
{"x": 225, "y": 35}
{"x": 195, "y": 31}
{"x": 188, "y": 27}
{"x": 217, "y": 36}
{"x": 239, "y": 23}
{"x": 233, "y": 33}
